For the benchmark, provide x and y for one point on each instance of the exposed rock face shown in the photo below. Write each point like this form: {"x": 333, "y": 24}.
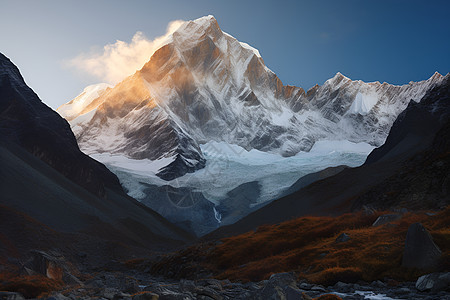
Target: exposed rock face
{"x": 344, "y": 237}
{"x": 420, "y": 141}
{"x": 26, "y": 121}
{"x": 53, "y": 266}
{"x": 420, "y": 250}
{"x": 385, "y": 219}
{"x": 204, "y": 85}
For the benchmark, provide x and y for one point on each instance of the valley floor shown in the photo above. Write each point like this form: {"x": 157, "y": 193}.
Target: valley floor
{"x": 367, "y": 264}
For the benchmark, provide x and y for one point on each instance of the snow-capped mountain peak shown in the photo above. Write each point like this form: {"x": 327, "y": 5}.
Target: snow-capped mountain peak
{"x": 78, "y": 105}
{"x": 204, "y": 85}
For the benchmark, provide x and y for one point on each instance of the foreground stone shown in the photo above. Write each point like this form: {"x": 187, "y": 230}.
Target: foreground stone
{"x": 434, "y": 282}
{"x": 51, "y": 265}
{"x": 343, "y": 237}
{"x": 420, "y": 250}
{"x": 113, "y": 285}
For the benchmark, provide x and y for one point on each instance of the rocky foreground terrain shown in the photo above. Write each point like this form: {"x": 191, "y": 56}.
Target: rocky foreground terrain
{"x": 142, "y": 286}
{"x": 399, "y": 255}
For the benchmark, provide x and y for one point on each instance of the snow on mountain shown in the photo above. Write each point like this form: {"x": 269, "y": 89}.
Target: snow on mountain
{"x": 78, "y": 105}
{"x": 203, "y": 86}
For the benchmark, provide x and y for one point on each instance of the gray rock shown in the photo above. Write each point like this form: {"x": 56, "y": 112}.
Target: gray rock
{"x": 435, "y": 282}
{"x": 109, "y": 293}
{"x": 211, "y": 283}
{"x": 342, "y": 238}
{"x": 420, "y": 250}
{"x": 402, "y": 291}
{"x": 226, "y": 283}
{"x": 305, "y": 286}
{"x": 122, "y": 296}
{"x": 55, "y": 296}
{"x": 384, "y": 219}
{"x": 187, "y": 285}
{"x": 174, "y": 296}
{"x": 378, "y": 284}
{"x": 51, "y": 264}
{"x": 11, "y": 296}
{"x": 209, "y": 292}
{"x": 276, "y": 285}
{"x": 282, "y": 279}
{"x": 165, "y": 293}
{"x": 343, "y": 287}
{"x": 293, "y": 293}
{"x": 318, "y": 288}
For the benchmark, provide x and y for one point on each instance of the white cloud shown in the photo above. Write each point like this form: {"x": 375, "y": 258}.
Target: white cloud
{"x": 121, "y": 59}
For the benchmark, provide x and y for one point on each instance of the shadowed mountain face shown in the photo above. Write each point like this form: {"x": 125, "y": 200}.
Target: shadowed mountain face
{"x": 204, "y": 85}
{"x": 45, "y": 177}
{"x": 26, "y": 121}
{"x": 420, "y": 139}
{"x": 411, "y": 170}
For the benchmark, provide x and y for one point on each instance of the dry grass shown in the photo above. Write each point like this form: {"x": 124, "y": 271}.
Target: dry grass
{"x": 307, "y": 246}
{"x": 29, "y": 286}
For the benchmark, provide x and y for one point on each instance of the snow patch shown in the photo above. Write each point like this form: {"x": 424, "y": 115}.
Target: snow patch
{"x": 77, "y": 105}
{"x": 363, "y": 103}
{"x": 248, "y": 47}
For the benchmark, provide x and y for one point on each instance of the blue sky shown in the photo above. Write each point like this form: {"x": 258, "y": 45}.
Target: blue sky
{"x": 303, "y": 42}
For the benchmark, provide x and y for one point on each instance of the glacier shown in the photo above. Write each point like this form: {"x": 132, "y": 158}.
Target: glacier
{"x": 229, "y": 166}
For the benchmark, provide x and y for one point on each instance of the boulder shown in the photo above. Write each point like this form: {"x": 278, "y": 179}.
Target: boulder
{"x": 342, "y": 238}
{"x": 122, "y": 296}
{"x": 52, "y": 265}
{"x": 293, "y": 293}
{"x": 208, "y": 292}
{"x": 276, "y": 286}
{"x": 343, "y": 287}
{"x": 170, "y": 293}
{"x": 384, "y": 219}
{"x": 420, "y": 250}
{"x": 434, "y": 282}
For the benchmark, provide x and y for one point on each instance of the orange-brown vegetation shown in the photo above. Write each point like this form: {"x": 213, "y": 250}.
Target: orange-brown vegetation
{"x": 29, "y": 286}
{"x": 308, "y": 246}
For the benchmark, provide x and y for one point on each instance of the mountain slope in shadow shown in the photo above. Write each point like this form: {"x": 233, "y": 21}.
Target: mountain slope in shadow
{"x": 47, "y": 180}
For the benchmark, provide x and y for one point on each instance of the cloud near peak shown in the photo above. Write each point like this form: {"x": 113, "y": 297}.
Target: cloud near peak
{"x": 118, "y": 60}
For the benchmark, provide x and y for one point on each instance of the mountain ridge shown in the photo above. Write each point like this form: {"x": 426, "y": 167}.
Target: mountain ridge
{"x": 203, "y": 85}
{"x": 395, "y": 176}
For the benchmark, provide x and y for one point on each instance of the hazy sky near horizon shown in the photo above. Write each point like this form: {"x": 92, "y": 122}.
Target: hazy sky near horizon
{"x": 61, "y": 46}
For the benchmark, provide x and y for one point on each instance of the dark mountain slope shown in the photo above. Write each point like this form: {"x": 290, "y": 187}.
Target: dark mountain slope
{"x": 420, "y": 137}
{"x": 411, "y": 170}
{"x": 32, "y": 187}
{"x": 26, "y": 121}
{"x": 46, "y": 178}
